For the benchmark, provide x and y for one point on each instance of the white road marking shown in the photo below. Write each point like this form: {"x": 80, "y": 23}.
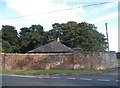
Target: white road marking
{"x": 22, "y": 76}
{"x": 40, "y": 77}
{"x": 85, "y": 79}
{"x": 70, "y": 78}
{"x": 55, "y": 77}
{"x": 47, "y": 77}
{"x": 117, "y": 80}
{"x": 105, "y": 80}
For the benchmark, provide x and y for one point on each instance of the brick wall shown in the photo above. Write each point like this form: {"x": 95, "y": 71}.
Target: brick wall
{"x": 75, "y": 60}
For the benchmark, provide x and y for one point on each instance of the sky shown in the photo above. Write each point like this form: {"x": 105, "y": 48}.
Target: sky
{"x": 24, "y": 13}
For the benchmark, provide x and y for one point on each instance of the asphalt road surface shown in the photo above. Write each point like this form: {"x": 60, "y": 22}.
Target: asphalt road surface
{"x": 104, "y": 79}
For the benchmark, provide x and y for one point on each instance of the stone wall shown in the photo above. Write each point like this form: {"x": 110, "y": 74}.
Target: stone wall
{"x": 75, "y": 60}
{"x": 37, "y": 61}
{"x": 94, "y": 60}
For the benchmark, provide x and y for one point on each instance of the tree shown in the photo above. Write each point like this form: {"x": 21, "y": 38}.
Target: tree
{"x": 32, "y": 37}
{"x": 55, "y": 32}
{"x": 10, "y": 37}
{"x": 118, "y": 55}
{"x": 6, "y": 47}
{"x": 75, "y": 35}
{"x": 79, "y": 35}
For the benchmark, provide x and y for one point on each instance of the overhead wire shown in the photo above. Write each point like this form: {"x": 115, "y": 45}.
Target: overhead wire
{"x": 57, "y": 10}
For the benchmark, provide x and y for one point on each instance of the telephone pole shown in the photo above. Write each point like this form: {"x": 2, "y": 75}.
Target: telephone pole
{"x": 107, "y": 36}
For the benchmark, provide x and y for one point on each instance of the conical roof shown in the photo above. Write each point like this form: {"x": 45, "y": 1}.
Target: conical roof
{"x": 53, "y": 47}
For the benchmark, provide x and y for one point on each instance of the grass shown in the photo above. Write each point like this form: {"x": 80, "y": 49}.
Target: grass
{"x": 118, "y": 61}
{"x": 51, "y": 72}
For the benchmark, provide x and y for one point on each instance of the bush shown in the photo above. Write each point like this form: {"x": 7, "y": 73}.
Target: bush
{"x": 118, "y": 55}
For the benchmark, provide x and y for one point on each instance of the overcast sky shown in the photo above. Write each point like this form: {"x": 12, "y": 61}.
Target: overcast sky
{"x": 42, "y": 12}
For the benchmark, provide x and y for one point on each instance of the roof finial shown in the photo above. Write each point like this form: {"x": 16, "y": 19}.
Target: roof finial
{"x": 58, "y": 39}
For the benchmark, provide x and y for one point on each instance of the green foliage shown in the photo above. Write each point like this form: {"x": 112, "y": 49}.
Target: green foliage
{"x": 79, "y": 35}
{"x": 118, "y": 55}
{"x": 75, "y": 35}
{"x": 118, "y": 61}
{"x": 32, "y": 37}
{"x": 10, "y": 36}
{"x": 6, "y": 47}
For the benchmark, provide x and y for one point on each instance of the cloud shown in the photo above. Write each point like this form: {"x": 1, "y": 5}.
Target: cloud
{"x": 112, "y": 34}
{"x": 113, "y": 39}
{"x": 17, "y": 23}
{"x": 109, "y": 6}
{"x": 99, "y": 9}
{"x": 119, "y": 40}
{"x": 84, "y": 0}
{"x": 39, "y": 9}
{"x": 104, "y": 18}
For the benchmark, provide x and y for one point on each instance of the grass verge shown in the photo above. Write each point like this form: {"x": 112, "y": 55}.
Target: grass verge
{"x": 51, "y": 72}
{"x": 118, "y": 61}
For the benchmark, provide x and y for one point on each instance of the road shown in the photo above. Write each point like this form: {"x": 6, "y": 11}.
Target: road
{"x": 104, "y": 79}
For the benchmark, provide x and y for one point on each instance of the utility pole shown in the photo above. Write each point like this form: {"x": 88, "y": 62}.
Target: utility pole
{"x": 107, "y": 36}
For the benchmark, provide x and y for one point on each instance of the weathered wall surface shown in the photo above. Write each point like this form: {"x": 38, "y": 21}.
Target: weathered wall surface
{"x": 37, "y": 61}
{"x": 94, "y": 60}
{"x": 75, "y": 60}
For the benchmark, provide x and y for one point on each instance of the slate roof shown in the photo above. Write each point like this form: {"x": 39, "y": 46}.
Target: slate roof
{"x": 53, "y": 47}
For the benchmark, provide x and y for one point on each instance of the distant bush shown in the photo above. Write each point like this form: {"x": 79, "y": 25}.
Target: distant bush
{"x": 118, "y": 55}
